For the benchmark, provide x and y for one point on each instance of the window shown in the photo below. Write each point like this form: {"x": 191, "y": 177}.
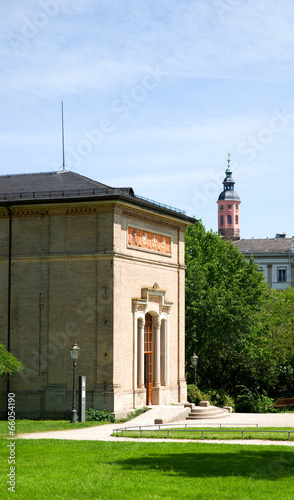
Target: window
{"x": 229, "y": 219}
{"x": 236, "y": 219}
{"x": 221, "y": 207}
{"x": 282, "y": 275}
{"x": 236, "y": 207}
{"x": 222, "y": 220}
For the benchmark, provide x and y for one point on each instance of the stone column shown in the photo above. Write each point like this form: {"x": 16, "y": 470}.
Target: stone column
{"x": 292, "y": 275}
{"x": 269, "y": 275}
{"x": 141, "y": 324}
{"x": 163, "y": 376}
{"x": 157, "y": 325}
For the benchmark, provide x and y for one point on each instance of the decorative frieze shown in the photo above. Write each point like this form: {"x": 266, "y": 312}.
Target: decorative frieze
{"x": 146, "y": 240}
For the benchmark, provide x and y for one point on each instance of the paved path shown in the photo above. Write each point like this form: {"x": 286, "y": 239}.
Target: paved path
{"x": 103, "y": 432}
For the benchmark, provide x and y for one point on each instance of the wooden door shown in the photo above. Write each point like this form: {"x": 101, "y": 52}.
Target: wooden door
{"x": 148, "y": 357}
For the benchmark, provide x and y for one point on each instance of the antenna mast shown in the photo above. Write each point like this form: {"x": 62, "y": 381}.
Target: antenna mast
{"x": 63, "y": 159}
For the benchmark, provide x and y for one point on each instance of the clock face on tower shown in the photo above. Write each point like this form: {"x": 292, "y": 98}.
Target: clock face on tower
{"x": 229, "y": 206}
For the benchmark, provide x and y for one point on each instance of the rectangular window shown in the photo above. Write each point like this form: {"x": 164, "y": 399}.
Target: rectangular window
{"x": 282, "y": 275}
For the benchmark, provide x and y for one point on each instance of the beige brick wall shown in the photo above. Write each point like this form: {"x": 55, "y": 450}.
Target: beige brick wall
{"x": 73, "y": 279}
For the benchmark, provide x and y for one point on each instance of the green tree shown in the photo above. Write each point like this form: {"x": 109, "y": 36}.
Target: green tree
{"x": 274, "y": 327}
{"x": 223, "y": 292}
{"x": 9, "y": 364}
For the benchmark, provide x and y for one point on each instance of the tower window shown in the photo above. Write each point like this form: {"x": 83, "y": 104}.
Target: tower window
{"x": 236, "y": 219}
{"x": 222, "y": 220}
{"x": 221, "y": 207}
{"x": 236, "y": 207}
{"x": 229, "y": 219}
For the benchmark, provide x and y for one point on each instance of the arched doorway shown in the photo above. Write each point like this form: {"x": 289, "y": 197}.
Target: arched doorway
{"x": 148, "y": 369}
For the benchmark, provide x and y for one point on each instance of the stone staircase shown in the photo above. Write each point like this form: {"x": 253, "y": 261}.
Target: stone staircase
{"x": 204, "y": 410}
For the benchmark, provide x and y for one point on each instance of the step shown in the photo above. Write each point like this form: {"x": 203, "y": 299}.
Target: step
{"x": 208, "y": 416}
{"x": 209, "y": 412}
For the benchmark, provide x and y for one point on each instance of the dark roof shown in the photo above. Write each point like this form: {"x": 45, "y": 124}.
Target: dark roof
{"x": 52, "y": 184}
{"x": 65, "y": 186}
{"x": 265, "y": 246}
{"x": 229, "y": 194}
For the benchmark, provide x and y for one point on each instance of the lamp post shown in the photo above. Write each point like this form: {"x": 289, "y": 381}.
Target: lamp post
{"x": 74, "y": 352}
{"x": 194, "y": 361}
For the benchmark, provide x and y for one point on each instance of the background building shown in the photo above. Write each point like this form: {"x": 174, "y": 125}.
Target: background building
{"x": 273, "y": 256}
{"x": 83, "y": 262}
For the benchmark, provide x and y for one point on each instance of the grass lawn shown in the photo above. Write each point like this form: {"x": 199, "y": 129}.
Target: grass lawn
{"x": 55, "y": 469}
{"x": 27, "y": 426}
{"x": 271, "y": 434}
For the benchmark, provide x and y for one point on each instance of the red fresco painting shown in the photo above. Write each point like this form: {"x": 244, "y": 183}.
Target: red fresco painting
{"x": 149, "y": 241}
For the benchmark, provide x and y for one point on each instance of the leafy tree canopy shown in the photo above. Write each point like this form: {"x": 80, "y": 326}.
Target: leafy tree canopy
{"x": 223, "y": 292}
{"x": 9, "y": 364}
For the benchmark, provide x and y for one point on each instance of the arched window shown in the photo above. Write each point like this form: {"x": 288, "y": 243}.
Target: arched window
{"x": 236, "y": 219}
{"x": 222, "y": 220}
{"x": 221, "y": 207}
{"x": 229, "y": 219}
{"x": 236, "y": 207}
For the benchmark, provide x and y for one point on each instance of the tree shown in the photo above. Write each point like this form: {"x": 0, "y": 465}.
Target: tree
{"x": 274, "y": 326}
{"x": 9, "y": 364}
{"x": 223, "y": 292}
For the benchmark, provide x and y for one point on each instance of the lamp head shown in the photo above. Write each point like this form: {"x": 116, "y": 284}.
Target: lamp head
{"x": 194, "y": 360}
{"x": 74, "y": 351}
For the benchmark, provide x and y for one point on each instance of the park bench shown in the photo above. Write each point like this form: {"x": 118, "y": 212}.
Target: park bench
{"x": 283, "y": 403}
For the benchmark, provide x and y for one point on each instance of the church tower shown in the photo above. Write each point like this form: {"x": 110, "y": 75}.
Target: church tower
{"x": 229, "y": 208}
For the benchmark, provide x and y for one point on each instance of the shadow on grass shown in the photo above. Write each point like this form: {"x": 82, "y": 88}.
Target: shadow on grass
{"x": 261, "y": 464}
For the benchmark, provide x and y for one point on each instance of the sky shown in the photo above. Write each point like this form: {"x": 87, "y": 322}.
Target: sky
{"x": 156, "y": 93}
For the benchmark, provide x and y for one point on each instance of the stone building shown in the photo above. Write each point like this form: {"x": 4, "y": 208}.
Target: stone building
{"x": 83, "y": 262}
{"x": 274, "y": 258}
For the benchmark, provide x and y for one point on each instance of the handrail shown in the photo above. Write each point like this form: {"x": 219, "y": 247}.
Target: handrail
{"x": 174, "y": 209}
{"x": 205, "y": 430}
{"x": 155, "y": 427}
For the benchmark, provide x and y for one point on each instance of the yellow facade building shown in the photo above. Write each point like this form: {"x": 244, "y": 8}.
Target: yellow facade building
{"x": 83, "y": 262}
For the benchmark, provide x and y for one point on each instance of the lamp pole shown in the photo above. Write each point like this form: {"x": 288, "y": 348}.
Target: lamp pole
{"x": 194, "y": 361}
{"x": 74, "y": 352}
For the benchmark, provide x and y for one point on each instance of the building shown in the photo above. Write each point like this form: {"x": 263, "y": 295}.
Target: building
{"x": 83, "y": 262}
{"x": 229, "y": 208}
{"x": 273, "y": 256}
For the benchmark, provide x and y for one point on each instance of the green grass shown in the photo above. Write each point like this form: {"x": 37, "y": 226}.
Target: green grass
{"x": 28, "y": 426}
{"x": 271, "y": 433}
{"x": 56, "y": 469}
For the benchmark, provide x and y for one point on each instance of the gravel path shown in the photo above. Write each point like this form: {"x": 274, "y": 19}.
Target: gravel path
{"x": 103, "y": 432}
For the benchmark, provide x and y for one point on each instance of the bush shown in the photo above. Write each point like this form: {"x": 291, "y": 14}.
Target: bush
{"x": 107, "y": 416}
{"x": 250, "y": 402}
{"x": 194, "y": 395}
{"x": 132, "y": 415}
{"x": 220, "y": 398}
{"x": 99, "y": 415}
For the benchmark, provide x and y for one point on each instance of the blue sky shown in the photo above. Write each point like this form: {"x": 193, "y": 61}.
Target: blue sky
{"x": 156, "y": 94}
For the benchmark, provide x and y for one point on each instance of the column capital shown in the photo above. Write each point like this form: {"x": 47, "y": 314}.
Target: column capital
{"x": 157, "y": 323}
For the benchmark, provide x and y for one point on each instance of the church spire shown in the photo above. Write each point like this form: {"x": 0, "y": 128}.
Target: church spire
{"x": 229, "y": 207}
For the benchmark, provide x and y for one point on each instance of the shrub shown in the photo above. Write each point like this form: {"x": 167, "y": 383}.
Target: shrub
{"x": 99, "y": 415}
{"x": 194, "y": 395}
{"x": 132, "y": 415}
{"x": 251, "y": 402}
{"x": 220, "y": 398}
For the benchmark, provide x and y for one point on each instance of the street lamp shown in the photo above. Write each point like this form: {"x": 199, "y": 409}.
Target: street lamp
{"x": 74, "y": 352}
{"x": 194, "y": 361}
